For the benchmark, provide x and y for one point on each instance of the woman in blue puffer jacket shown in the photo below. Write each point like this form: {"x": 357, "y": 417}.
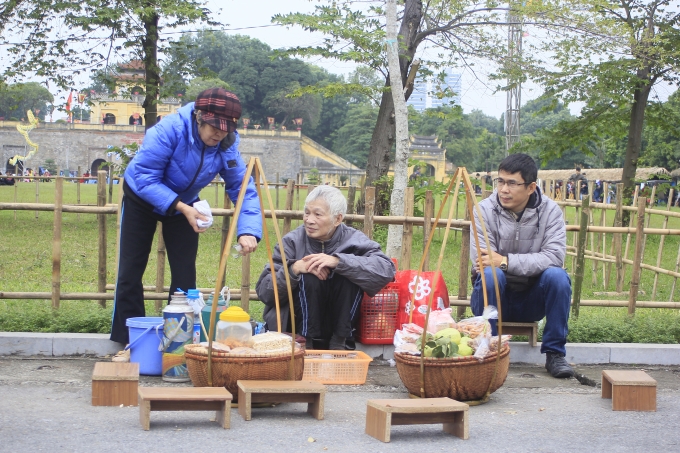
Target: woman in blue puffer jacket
{"x": 179, "y": 157}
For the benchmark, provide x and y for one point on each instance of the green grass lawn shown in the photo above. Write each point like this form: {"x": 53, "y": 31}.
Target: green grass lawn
{"x": 26, "y": 266}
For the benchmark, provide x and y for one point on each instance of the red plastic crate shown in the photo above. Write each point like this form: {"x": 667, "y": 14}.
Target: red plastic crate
{"x": 378, "y": 318}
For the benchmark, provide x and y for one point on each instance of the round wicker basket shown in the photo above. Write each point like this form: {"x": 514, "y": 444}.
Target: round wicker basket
{"x": 228, "y": 369}
{"x": 459, "y": 378}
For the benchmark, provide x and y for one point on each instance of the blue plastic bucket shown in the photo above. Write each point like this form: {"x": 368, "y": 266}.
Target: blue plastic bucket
{"x": 145, "y": 336}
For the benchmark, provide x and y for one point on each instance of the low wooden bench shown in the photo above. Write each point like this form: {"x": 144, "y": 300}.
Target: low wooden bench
{"x": 309, "y": 392}
{"x": 529, "y": 329}
{"x": 115, "y": 383}
{"x": 185, "y": 399}
{"x": 629, "y": 390}
{"x": 382, "y": 414}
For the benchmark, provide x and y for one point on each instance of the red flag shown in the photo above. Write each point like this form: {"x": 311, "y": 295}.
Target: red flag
{"x": 68, "y": 101}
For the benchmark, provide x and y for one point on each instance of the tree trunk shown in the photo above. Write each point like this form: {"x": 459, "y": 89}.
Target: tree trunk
{"x": 395, "y": 233}
{"x": 151, "y": 69}
{"x": 383, "y": 137}
{"x": 634, "y": 145}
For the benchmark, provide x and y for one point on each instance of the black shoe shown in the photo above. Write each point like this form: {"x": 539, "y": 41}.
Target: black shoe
{"x": 557, "y": 365}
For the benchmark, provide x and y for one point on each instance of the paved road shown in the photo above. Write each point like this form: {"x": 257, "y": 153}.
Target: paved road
{"x": 45, "y": 406}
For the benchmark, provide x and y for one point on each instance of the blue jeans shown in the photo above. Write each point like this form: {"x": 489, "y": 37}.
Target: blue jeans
{"x": 549, "y": 297}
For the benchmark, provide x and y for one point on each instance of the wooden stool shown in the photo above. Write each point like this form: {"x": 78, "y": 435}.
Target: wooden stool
{"x": 309, "y": 392}
{"x": 629, "y": 390}
{"x": 114, "y": 384}
{"x": 529, "y": 329}
{"x": 382, "y": 414}
{"x": 184, "y": 399}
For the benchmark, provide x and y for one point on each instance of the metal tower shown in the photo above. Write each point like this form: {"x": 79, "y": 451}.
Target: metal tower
{"x": 514, "y": 82}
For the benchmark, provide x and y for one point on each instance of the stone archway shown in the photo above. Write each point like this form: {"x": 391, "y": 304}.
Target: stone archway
{"x": 9, "y": 168}
{"x": 96, "y": 166}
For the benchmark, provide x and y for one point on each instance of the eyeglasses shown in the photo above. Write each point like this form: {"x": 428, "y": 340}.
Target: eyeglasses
{"x": 512, "y": 184}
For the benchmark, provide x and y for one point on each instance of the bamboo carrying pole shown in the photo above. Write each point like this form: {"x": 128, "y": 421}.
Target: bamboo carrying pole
{"x": 463, "y": 273}
{"x": 101, "y": 222}
{"x": 56, "y": 242}
{"x": 639, "y": 244}
{"x": 254, "y": 168}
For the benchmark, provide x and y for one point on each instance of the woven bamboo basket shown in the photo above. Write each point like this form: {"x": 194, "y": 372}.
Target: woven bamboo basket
{"x": 459, "y": 378}
{"x": 228, "y": 369}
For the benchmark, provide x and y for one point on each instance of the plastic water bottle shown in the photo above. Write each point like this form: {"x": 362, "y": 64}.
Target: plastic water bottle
{"x": 195, "y": 301}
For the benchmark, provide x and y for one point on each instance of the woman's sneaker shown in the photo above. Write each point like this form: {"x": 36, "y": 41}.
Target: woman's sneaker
{"x": 557, "y": 365}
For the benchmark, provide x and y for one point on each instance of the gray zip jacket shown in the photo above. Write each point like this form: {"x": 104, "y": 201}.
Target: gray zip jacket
{"x": 361, "y": 262}
{"x": 538, "y": 241}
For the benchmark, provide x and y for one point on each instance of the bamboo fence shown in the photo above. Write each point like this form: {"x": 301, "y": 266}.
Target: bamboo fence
{"x": 595, "y": 249}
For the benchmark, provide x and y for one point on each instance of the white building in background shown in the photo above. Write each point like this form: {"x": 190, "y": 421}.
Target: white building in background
{"x": 424, "y": 91}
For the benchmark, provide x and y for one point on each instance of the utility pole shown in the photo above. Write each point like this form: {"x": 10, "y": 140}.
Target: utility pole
{"x": 514, "y": 82}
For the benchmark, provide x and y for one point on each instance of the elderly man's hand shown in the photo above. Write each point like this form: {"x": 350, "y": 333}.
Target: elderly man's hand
{"x": 318, "y": 264}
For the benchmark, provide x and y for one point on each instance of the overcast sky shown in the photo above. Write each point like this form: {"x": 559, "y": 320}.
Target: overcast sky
{"x": 477, "y": 92}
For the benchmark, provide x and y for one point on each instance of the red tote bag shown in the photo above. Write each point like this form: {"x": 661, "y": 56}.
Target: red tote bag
{"x": 406, "y": 281}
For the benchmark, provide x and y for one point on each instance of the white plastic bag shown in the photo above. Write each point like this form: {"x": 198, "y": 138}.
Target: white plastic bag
{"x": 204, "y": 208}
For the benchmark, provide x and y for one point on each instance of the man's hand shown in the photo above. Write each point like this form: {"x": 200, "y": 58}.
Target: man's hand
{"x": 248, "y": 244}
{"x": 487, "y": 257}
{"x": 318, "y": 264}
{"x": 192, "y": 216}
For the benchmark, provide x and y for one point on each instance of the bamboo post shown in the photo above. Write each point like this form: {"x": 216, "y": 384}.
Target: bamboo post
{"x": 637, "y": 259}
{"x": 160, "y": 266}
{"x": 277, "y": 190}
{"x": 649, "y": 220}
{"x": 563, "y": 198}
{"x": 580, "y": 255}
{"x": 289, "y": 206}
{"x": 593, "y": 246}
{"x": 617, "y": 243}
{"x": 78, "y": 191}
{"x": 407, "y": 241}
{"x": 245, "y": 282}
{"x": 661, "y": 241}
{"x": 16, "y": 189}
{"x": 603, "y": 236}
{"x": 652, "y": 200}
{"x": 101, "y": 222}
{"x": 675, "y": 280}
{"x": 631, "y": 222}
{"x": 37, "y": 194}
{"x": 427, "y": 226}
{"x": 577, "y": 191}
{"x": 110, "y": 176}
{"x": 464, "y": 270}
{"x": 217, "y": 192}
{"x": 56, "y": 242}
{"x": 297, "y": 193}
{"x": 351, "y": 194}
{"x": 369, "y": 206}
{"x": 119, "y": 213}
